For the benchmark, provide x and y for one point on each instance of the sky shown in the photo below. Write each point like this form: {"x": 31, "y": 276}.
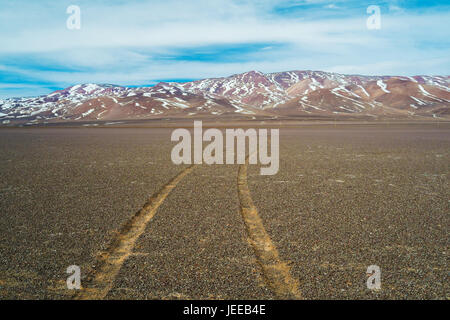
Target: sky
{"x": 139, "y": 43}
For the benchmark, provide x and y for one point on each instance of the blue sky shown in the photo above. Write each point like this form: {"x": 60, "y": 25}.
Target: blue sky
{"x": 142, "y": 42}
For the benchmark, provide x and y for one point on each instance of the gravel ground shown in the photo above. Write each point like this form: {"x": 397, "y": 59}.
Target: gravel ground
{"x": 348, "y": 198}
{"x": 63, "y": 193}
{"x": 344, "y": 198}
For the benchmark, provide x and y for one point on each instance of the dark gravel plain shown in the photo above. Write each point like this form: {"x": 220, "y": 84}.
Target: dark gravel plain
{"x": 346, "y": 197}
{"x": 349, "y": 197}
{"x": 64, "y": 193}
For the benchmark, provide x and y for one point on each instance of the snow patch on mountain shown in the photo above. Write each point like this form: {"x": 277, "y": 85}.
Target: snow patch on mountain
{"x": 383, "y": 86}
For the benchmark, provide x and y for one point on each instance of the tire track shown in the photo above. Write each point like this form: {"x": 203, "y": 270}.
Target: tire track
{"x": 275, "y": 272}
{"x": 109, "y": 263}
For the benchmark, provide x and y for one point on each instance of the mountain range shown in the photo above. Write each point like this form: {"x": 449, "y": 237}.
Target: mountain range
{"x": 250, "y": 95}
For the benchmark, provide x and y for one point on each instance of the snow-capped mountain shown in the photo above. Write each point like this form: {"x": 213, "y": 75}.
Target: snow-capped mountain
{"x": 253, "y": 94}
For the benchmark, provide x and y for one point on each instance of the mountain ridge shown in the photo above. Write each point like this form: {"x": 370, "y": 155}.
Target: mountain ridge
{"x": 252, "y": 94}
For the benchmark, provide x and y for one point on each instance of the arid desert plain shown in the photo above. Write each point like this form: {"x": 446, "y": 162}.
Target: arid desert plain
{"x": 110, "y": 200}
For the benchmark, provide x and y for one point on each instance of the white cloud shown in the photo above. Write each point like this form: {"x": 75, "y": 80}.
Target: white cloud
{"x": 119, "y": 41}
{"x": 331, "y": 6}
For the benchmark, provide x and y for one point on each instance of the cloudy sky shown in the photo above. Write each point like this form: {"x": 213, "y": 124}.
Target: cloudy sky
{"x": 136, "y": 43}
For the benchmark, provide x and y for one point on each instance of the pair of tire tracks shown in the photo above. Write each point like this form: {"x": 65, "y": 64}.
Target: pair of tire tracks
{"x": 275, "y": 272}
